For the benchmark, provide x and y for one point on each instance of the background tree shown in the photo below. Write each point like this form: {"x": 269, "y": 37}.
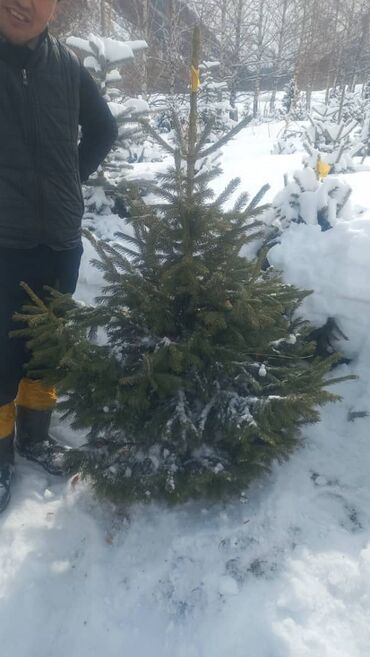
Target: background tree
{"x": 260, "y": 45}
{"x": 282, "y": 17}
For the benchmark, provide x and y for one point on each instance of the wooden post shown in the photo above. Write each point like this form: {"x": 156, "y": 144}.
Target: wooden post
{"x": 193, "y": 118}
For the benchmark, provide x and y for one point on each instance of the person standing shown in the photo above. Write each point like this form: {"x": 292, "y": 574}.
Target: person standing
{"x": 46, "y": 95}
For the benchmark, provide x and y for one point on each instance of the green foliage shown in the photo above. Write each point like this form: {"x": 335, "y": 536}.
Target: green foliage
{"x": 205, "y": 375}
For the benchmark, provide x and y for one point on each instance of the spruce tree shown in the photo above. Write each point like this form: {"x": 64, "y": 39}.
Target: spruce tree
{"x": 307, "y": 199}
{"x": 292, "y": 102}
{"x": 331, "y": 139}
{"x": 104, "y": 58}
{"x": 213, "y": 102}
{"x": 206, "y": 375}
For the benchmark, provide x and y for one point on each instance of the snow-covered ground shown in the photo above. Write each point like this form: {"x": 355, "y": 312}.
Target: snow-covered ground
{"x": 283, "y": 573}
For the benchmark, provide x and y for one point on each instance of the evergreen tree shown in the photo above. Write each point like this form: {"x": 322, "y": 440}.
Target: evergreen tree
{"x": 104, "y": 57}
{"x": 213, "y": 101}
{"x": 289, "y": 140}
{"x": 331, "y": 139}
{"x": 292, "y": 101}
{"x": 206, "y": 375}
{"x": 365, "y": 136}
{"x": 308, "y": 200}
{"x": 367, "y": 91}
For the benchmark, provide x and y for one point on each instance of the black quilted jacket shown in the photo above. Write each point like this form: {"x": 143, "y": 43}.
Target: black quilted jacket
{"x": 45, "y": 94}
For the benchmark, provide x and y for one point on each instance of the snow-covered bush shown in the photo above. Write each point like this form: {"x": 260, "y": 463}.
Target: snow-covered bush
{"x": 96, "y": 197}
{"x": 213, "y": 101}
{"x": 213, "y": 106}
{"x": 292, "y": 102}
{"x": 104, "y": 57}
{"x": 367, "y": 91}
{"x": 331, "y": 139}
{"x": 290, "y": 140}
{"x": 308, "y": 200}
{"x": 365, "y": 135}
{"x": 351, "y": 104}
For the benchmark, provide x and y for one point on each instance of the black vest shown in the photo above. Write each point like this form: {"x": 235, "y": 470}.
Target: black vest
{"x": 40, "y": 191}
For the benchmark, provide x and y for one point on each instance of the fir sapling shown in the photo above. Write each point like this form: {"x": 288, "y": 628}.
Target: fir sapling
{"x": 206, "y": 376}
{"x": 292, "y": 105}
{"x": 104, "y": 58}
{"x": 331, "y": 139}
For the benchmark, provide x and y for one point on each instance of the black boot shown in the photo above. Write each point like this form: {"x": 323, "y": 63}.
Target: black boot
{"x": 34, "y": 442}
{"x": 6, "y": 470}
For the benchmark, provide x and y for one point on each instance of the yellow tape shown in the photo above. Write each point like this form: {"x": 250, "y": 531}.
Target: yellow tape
{"x": 7, "y": 420}
{"x": 195, "y": 79}
{"x": 322, "y": 168}
{"x": 35, "y": 395}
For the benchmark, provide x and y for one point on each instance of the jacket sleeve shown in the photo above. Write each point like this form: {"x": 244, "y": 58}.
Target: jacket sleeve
{"x": 98, "y": 126}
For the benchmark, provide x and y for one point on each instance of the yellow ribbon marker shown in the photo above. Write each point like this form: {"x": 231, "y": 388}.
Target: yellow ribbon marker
{"x": 36, "y": 396}
{"x": 322, "y": 168}
{"x": 195, "y": 79}
{"x": 7, "y": 420}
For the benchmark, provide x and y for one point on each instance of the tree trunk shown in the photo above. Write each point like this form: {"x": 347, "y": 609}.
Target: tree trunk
{"x": 223, "y": 40}
{"x": 235, "y": 75}
{"x": 192, "y": 134}
{"x": 279, "y": 54}
{"x": 300, "y": 49}
{"x": 333, "y": 55}
{"x": 361, "y": 45}
{"x": 257, "y": 86}
{"x": 145, "y": 31}
{"x": 103, "y": 22}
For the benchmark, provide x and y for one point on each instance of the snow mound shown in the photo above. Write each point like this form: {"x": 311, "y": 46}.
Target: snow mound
{"x": 336, "y": 266}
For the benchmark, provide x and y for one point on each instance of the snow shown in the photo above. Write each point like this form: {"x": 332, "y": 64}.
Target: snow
{"x": 335, "y": 265}
{"x": 115, "y": 52}
{"x": 249, "y": 158}
{"x": 112, "y": 76}
{"x": 91, "y": 63}
{"x": 130, "y": 106}
{"x": 284, "y": 571}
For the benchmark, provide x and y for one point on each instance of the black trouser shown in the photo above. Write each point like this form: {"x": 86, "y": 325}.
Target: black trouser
{"x": 37, "y": 267}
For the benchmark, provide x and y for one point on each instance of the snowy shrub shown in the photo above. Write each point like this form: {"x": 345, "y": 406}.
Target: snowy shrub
{"x": 104, "y": 57}
{"x": 289, "y": 141}
{"x": 331, "y": 139}
{"x": 365, "y": 136}
{"x": 351, "y": 105}
{"x": 308, "y": 200}
{"x": 292, "y": 102}
{"x": 213, "y": 101}
{"x": 96, "y": 198}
